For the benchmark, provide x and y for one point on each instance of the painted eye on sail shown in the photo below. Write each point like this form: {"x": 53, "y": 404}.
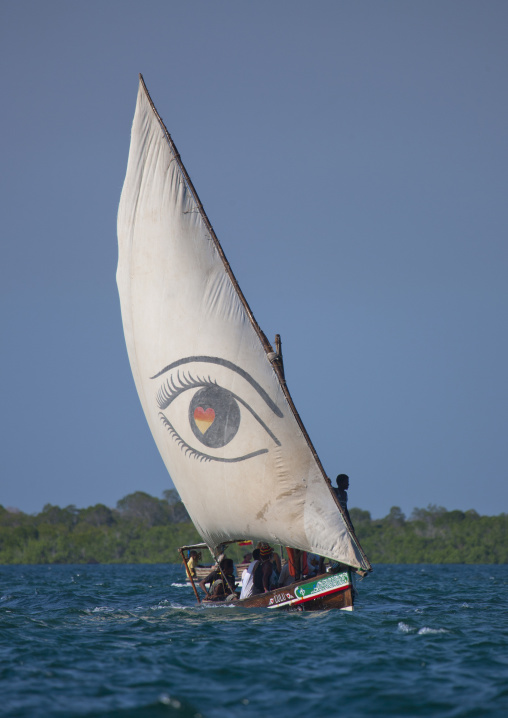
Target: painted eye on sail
{"x": 209, "y": 422}
{"x": 214, "y": 416}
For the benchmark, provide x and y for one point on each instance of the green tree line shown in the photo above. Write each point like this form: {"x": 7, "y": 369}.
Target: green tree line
{"x": 432, "y": 535}
{"x": 144, "y": 529}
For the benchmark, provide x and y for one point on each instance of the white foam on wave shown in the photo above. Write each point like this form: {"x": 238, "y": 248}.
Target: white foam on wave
{"x": 425, "y": 631}
{"x": 161, "y": 605}
{"x": 405, "y": 628}
{"x": 165, "y": 604}
{"x": 180, "y": 585}
{"x": 101, "y": 609}
{"x": 169, "y": 701}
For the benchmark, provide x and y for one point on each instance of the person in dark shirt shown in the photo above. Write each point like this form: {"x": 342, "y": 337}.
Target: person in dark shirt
{"x": 341, "y": 493}
{"x": 219, "y": 588}
{"x": 263, "y": 571}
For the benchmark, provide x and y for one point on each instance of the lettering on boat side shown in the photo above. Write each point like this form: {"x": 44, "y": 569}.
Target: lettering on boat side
{"x": 280, "y": 598}
{"x": 322, "y": 585}
{"x": 214, "y": 415}
{"x": 310, "y": 590}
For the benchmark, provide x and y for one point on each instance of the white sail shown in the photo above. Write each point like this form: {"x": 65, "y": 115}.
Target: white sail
{"x": 219, "y": 415}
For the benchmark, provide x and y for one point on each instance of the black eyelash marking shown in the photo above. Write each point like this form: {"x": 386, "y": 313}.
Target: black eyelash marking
{"x": 229, "y": 365}
{"x": 189, "y": 451}
{"x": 170, "y": 390}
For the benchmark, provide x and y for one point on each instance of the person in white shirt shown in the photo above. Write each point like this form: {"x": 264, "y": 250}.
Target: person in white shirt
{"x": 248, "y": 576}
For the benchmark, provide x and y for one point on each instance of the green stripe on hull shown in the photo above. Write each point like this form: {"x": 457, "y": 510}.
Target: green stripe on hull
{"x": 311, "y": 590}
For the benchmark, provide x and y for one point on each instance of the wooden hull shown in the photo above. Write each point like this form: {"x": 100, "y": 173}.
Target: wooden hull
{"x": 329, "y": 590}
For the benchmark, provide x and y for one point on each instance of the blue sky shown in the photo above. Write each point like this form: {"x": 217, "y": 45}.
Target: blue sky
{"x": 353, "y": 160}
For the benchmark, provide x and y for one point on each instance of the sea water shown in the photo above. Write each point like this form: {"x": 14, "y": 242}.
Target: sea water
{"x": 129, "y": 641}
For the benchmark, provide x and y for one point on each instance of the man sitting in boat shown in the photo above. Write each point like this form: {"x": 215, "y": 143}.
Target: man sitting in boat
{"x": 276, "y": 564}
{"x": 263, "y": 571}
{"x": 194, "y": 557}
{"x": 221, "y": 582}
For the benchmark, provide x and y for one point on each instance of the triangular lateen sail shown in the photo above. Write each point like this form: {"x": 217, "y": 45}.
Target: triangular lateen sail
{"x": 219, "y": 413}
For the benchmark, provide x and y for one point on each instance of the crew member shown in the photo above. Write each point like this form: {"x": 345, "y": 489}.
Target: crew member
{"x": 341, "y": 493}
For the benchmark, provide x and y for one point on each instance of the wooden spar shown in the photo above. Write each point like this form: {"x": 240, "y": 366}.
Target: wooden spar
{"x": 189, "y": 574}
{"x": 278, "y": 350}
{"x": 277, "y": 365}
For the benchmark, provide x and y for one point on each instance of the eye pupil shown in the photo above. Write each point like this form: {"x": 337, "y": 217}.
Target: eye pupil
{"x": 214, "y": 416}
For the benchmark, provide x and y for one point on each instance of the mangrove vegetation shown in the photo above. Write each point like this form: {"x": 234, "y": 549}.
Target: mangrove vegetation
{"x": 144, "y": 529}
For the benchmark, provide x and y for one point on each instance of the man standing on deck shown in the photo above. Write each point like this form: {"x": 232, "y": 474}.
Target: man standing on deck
{"x": 341, "y": 493}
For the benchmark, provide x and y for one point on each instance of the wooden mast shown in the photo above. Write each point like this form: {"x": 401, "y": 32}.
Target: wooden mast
{"x": 189, "y": 574}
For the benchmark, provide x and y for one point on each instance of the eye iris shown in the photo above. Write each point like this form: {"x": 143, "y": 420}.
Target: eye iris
{"x": 214, "y": 416}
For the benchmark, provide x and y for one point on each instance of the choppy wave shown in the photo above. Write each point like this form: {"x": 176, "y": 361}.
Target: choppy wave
{"x": 130, "y": 642}
{"x": 424, "y": 630}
